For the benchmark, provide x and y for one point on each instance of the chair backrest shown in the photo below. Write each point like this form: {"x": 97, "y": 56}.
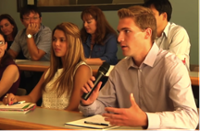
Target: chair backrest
{"x": 21, "y": 92}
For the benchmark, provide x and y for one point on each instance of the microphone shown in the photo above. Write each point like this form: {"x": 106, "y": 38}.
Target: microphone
{"x": 103, "y": 69}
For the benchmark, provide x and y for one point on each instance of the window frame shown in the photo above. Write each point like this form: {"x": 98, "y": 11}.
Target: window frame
{"x": 22, "y": 3}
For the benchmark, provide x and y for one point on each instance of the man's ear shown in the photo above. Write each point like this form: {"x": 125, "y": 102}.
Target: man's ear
{"x": 164, "y": 16}
{"x": 148, "y": 33}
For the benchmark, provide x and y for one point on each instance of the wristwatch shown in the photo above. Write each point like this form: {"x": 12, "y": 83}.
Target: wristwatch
{"x": 29, "y": 36}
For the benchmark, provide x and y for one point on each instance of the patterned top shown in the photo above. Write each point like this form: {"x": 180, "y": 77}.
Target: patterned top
{"x": 49, "y": 97}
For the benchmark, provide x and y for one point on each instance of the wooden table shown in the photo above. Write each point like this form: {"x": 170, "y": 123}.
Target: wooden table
{"x": 41, "y": 66}
{"x": 194, "y": 76}
{"x": 43, "y": 118}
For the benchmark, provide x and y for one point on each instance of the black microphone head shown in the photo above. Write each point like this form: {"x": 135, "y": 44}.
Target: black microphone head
{"x": 104, "y": 68}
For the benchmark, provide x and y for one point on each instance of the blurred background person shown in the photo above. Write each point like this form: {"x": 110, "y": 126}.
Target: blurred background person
{"x": 9, "y": 72}
{"x": 170, "y": 36}
{"x": 98, "y": 37}
{"x": 9, "y": 28}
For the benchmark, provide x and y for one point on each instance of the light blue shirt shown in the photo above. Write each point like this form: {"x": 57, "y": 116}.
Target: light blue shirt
{"x": 42, "y": 40}
{"x": 161, "y": 87}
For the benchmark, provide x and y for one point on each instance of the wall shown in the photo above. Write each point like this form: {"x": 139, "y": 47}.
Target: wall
{"x": 185, "y": 13}
{"x": 199, "y": 33}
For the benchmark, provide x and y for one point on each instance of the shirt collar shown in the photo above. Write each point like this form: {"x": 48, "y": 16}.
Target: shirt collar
{"x": 166, "y": 30}
{"x": 149, "y": 59}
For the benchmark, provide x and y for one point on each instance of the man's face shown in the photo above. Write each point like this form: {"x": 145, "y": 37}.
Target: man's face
{"x": 130, "y": 37}
{"x": 159, "y": 18}
{"x": 31, "y": 18}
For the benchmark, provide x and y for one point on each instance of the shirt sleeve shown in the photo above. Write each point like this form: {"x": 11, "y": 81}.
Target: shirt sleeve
{"x": 185, "y": 114}
{"x": 110, "y": 55}
{"x": 45, "y": 40}
{"x": 180, "y": 43}
{"x": 15, "y": 46}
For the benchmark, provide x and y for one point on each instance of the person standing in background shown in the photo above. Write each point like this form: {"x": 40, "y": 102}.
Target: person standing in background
{"x": 98, "y": 37}
{"x": 9, "y": 28}
{"x": 170, "y": 36}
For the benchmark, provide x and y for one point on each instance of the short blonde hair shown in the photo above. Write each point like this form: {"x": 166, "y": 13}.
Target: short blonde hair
{"x": 142, "y": 16}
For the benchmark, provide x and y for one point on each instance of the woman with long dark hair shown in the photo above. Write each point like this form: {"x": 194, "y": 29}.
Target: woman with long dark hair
{"x": 9, "y": 72}
{"x": 98, "y": 37}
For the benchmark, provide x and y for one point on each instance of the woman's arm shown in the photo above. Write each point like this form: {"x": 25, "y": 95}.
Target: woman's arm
{"x": 81, "y": 76}
{"x": 35, "y": 94}
{"x": 10, "y": 76}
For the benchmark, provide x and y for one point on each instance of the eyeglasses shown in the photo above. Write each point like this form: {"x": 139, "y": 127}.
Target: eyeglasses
{"x": 31, "y": 18}
{"x": 2, "y": 43}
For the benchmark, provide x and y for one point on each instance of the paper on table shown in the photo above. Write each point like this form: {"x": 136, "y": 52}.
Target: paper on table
{"x": 94, "y": 119}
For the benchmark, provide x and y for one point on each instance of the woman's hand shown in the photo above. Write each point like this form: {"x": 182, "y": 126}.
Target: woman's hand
{"x": 9, "y": 99}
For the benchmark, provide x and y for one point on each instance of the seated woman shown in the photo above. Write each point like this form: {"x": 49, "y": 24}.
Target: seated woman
{"x": 9, "y": 28}
{"x": 98, "y": 37}
{"x": 60, "y": 85}
{"x": 9, "y": 72}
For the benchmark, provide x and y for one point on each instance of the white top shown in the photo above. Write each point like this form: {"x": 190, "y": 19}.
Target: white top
{"x": 49, "y": 97}
{"x": 176, "y": 40}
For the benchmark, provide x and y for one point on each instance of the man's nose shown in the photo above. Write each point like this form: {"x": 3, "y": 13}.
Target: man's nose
{"x": 120, "y": 38}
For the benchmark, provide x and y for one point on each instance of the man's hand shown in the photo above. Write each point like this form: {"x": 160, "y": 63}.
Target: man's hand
{"x": 87, "y": 88}
{"x": 132, "y": 116}
{"x": 32, "y": 28}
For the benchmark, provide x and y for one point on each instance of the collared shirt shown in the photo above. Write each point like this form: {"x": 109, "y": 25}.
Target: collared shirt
{"x": 161, "y": 87}
{"x": 176, "y": 40}
{"x": 107, "y": 52}
{"x": 42, "y": 40}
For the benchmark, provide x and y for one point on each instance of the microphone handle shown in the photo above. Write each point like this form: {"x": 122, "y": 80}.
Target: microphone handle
{"x": 100, "y": 74}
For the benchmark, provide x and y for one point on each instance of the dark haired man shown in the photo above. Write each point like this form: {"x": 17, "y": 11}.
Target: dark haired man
{"x": 170, "y": 36}
{"x": 35, "y": 39}
{"x": 35, "y": 43}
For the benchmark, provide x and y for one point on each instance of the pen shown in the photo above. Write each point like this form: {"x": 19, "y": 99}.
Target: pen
{"x": 19, "y": 102}
{"x": 95, "y": 123}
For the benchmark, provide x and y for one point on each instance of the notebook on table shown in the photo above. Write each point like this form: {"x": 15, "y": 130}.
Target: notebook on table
{"x": 95, "y": 122}
{"x": 17, "y": 108}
